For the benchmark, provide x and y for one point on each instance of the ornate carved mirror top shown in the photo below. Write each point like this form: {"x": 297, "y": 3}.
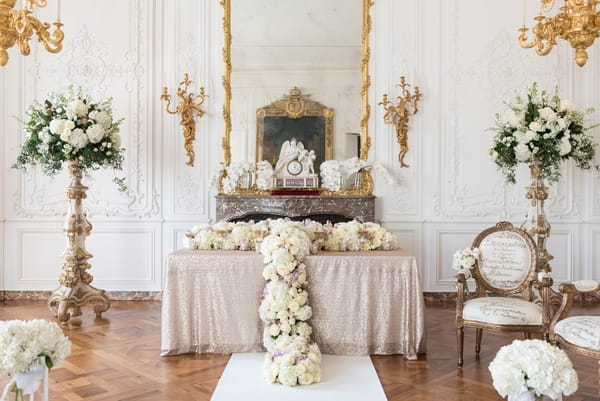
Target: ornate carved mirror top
{"x": 320, "y": 46}
{"x": 294, "y": 117}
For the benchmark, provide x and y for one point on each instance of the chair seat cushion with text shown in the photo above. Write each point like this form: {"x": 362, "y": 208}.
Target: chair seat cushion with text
{"x": 503, "y": 310}
{"x": 583, "y": 331}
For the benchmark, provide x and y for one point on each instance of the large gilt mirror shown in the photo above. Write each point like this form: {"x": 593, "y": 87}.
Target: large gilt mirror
{"x": 321, "y": 48}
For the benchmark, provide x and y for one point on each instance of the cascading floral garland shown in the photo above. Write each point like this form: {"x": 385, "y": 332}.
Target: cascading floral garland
{"x": 292, "y": 357}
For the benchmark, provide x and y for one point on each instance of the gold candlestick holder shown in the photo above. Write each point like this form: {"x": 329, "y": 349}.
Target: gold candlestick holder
{"x": 188, "y": 108}
{"x": 399, "y": 115}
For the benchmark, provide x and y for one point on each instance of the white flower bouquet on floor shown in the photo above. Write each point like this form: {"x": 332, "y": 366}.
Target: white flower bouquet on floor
{"x": 543, "y": 127}
{"x": 533, "y": 366}
{"x": 22, "y": 345}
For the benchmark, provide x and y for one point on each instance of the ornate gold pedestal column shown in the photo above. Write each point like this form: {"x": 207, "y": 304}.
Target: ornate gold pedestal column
{"x": 538, "y": 227}
{"x": 75, "y": 289}
{"x": 535, "y": 222}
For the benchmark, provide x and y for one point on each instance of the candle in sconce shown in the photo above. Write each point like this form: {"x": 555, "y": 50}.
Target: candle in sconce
{"x": 524, "y": 11}
{"x": 58, "y": 12}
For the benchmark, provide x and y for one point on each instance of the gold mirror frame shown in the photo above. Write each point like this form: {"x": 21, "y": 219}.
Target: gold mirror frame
{"x": 366, "y": 181}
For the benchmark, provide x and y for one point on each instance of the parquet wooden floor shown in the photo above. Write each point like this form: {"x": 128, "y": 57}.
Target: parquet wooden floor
{"x": 117, "y": 358}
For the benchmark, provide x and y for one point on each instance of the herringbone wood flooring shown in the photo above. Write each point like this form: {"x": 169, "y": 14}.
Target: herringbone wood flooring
{"x": 117, "y": 358}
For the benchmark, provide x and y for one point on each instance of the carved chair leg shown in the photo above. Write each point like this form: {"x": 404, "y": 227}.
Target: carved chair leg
{"x": 460, "y": 341}
{"x": 478, "y": 335}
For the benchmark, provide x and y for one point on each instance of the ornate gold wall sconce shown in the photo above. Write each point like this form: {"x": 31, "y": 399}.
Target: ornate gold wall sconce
{"x": 189, "y": 109}
{"x": 578, "y": 22}
{"x": 17, "y": 26}
{"x": 400, "y": 114}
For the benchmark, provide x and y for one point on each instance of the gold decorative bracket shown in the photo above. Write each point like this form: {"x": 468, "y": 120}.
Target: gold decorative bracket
{"x": 400, "y": 114}
{"x": 189, "y": 109}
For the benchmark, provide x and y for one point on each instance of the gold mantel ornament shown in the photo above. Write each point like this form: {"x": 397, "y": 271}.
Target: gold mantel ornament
{"x": 578, "y": 23}
{"x": 17, "y": 26}
{"x": 188, "y": 109}
{"x": 400, "y": 114}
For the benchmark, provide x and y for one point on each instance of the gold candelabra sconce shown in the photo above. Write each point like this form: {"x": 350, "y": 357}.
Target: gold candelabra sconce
{"x": 578, "y": 22}
{"x": 399, "y": 115}
{"x": 189, "y": 107}
{"x": 17, "y": 27}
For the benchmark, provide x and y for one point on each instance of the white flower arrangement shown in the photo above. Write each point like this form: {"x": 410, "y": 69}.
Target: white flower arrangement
{"x": 264, "y": 175}
{"x": 357, "y": 236}
{"x": 331, "y": 175}
{"x": 334, "y": 172}
{"x": 464, "y": 260}
{"x": 245, "y": 236}
{"x": 533, "y": 366}
{"x": 291, "y": 357}
{"x": 70, "y": 126}
{"x": 22, "y": 343}
{"x": 541, "y": 127}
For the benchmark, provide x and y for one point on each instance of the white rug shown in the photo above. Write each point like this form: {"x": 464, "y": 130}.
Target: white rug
{"x": 343, "y": 378}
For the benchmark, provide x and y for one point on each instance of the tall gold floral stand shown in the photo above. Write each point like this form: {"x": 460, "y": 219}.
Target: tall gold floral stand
{"x": 75, "y": 290}
{"x": 539, "y": 228}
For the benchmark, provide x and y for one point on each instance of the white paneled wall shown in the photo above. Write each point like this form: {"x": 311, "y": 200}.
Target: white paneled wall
{"x": 463, "y": 54}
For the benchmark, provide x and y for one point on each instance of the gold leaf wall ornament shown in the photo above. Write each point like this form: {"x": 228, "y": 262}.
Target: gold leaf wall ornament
{"x": 399, "y": 115}
{"x": 189, "y": 109}
{"x": 578, "y": 22}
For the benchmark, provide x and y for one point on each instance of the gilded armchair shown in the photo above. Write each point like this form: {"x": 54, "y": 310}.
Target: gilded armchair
{"x": 503, "y": 300}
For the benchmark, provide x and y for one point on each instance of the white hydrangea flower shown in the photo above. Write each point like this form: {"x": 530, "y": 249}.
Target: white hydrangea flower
{"x": 95, "y": 133}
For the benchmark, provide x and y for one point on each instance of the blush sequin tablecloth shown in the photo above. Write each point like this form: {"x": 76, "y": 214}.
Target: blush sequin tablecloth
{"x": 363, "y": 303}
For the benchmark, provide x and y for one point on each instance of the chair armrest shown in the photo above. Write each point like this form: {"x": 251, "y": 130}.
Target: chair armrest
{"x": 568, "y": 290}
{"x": 587, "y": 285}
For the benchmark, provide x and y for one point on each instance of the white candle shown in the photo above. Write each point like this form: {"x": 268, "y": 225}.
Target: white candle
{"x": 524, "y": 10}
{"x": 58, "y": 11}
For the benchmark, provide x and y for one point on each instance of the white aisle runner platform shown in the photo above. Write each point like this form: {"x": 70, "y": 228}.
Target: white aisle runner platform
{"x": 343, "y": 378}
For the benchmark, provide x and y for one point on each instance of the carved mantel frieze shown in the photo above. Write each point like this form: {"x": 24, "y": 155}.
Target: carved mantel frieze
{"x": 321, "y": 208}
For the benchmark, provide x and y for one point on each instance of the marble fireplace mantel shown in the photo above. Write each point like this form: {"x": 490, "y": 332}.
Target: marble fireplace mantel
{"x": 320, "y": 208}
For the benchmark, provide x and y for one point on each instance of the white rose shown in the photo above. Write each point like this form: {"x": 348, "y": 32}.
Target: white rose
{"x": 274, "y": 330}
{"x": 65, "y": 135}
{"x": 522, "y": 153}
{"x": 519, "y": 136}
{"x": 102, "y": 118}
{"x": 535, "y": 126}
{"x": 95, "y": 133}
{"x": 78, "y": 138}
{"x": 57, "y": 126}
{"x": 77, "y": 108}
{"x": 305, "y": 379}
{"x": 530, "y": 135}
{"x": 548, "y": 114}
{"x": 564, "y": 147}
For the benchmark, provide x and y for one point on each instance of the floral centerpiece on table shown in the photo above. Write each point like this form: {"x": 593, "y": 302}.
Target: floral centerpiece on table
{"x": 541, "y": 127}
{"x": 464, "y": 260}
{"x": 71, "y": 126}
{"x": 22, "y": 345}
{"x": 532, "y": 368}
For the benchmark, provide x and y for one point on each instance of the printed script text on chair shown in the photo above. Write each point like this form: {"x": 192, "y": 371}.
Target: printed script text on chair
{"x": 580, "y": 334}
{"x": 503, "y": 299}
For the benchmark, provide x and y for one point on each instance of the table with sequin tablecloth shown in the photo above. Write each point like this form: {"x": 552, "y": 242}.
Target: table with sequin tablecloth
{"x": 363, "y": 303}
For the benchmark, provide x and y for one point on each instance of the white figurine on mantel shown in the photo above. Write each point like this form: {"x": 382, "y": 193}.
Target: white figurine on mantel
{"x": 295, "y": 161}
{"x": 295, "y": 166}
